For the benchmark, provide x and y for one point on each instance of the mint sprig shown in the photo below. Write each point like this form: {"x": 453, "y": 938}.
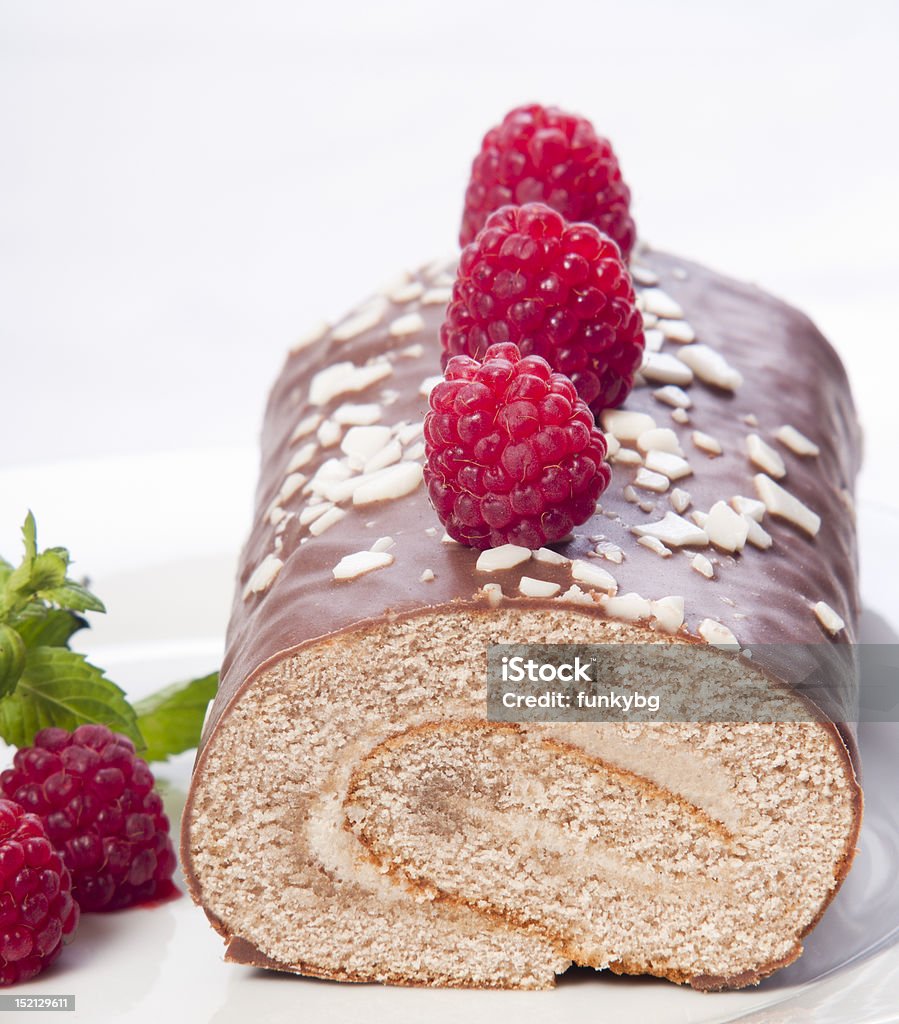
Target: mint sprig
{"x": 45, "y": 683}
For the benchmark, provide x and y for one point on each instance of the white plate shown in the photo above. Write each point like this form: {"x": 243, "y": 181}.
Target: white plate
{"x": 167, "y": 616}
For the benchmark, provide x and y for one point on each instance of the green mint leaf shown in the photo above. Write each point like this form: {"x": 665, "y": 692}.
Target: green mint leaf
{"x": 29, "y": 535}
{"x": 60, "y": 687}
{"x": 74, "y": 597}
{"x": 48, "y": 570}
{"x": 12, "y": 658}
{"x": 40, "y": 626}
{"x": 171, "y": 720}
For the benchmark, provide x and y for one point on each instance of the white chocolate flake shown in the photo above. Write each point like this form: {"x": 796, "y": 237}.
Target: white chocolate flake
{"x": 403, "y": 326}
{"x": 662, "y": 368}
{"x": 655, "y": 545}
{"x": 329, "y": 433}
{"x": 406, "y": 292}
{"x": 263, "y": 576}
{"x": 357, "y": 415}
{"x": 674, "y": 530}
{"x": 506, "y": 556}
{"x": 659, "y": 439}
{"x": 305, "y": 427}
{"x": 726, "y": 528}
{"x": 672, "y": 395}
{"x": 764, "y": 457}
{"x": 798, "y": 443}
{"x": 667, "y": 463}
{"x": 710, "y": 366}
{"x": 594, "y": 576}
{"x": 749, "y": 507}
{"x": 627, "y": 608}
{"x": 717, "y": 634}
{"x": 667, "y": 614}
{"x": 437, "y": 296}
{"x": 359, "y": 563}
{"x": 314, "y": 334}
{"x": 627, "y": 426}
{"x": 706, "y": 443}
{"x": 549, "y": 557}
{"x": 365, "y": 319}
{"x": 781, "y": 503}
{"x": 678, "y": 331}
{"x": 340, "y": 378}
{"x": 828, "y": 618}
{"x": 364, "y": 442}
{"x": 680, "y": 500}
{"x": 388, "y": 484}
{"x": 703, "y": 566}
{"x": 659, "y": 302}
{"x": 651, "y": 481}
{"x": 538, "y": 588}
{"x": 326, "y": 521}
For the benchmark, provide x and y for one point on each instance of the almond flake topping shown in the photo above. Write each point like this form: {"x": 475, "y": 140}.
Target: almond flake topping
{"x": 780, "y": 502}
{"x": 749, "y": 507}
{"x": 667, "y": 614}
{"x": 680, "y": 416}
{"x": 387, "y": 484}
{"x": 364, "y": 442}
{"x": 796, "y": 442}
{"x": 655, "y": 545}
{"x": 314, "y": 334}
{"x": 326, "y": 521}
{"x": 493, "y": 592}
{"x": 428, "y": 385}
{"x": 643, "y": 275}
{"x": 670, "y": 465}
{"x": 361, "y": 562}
{"x": 703, "y": 566}
{"x": 357, "y": 415}
{"x": 671, "y": 394}
{"x": 726, "y": 529}
{"x": 706, "y": 443}
{"x": 263, "y": 576}
{"x": 427, "y": 576}
{"x": 306, "y": 427}
{"x": 506, "y": 556}
{"x": 363, "y": 320}
{"x": 437, "y": 296}
{"x": 659, "y": 439}
{"x": 678, "y": 330}
{"x": 828, "y": 618}
{"x": 659, "y": 302}
{"x": 549, "y": 557}
{"x": 625, "y": 425}
{"x": 717, "y": 634}
{"x": 680, "y": 500}
{"x": 594, "y": 576}
{"x": 765, "y": 457}
{"x": 302, "y": 457}
{"x": 674, "y": 531}
{"x": 340, "y": 378}
{"x": 710, "y": 366}
{"x": 627, "y": 608}
{"x": 407, "y": 292}
{"x": 403, "y": 326}
{"x": 650, "y": 481}
{"x": 538, "y": 588}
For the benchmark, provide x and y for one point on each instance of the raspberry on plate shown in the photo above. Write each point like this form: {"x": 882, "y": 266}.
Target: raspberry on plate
{"x": 37, "y": 913}
{"x": 556, "y": 290}
{"x": 513, "y": 455}
{"x": 96, "y": 799}
{"x": 543, "y": 154}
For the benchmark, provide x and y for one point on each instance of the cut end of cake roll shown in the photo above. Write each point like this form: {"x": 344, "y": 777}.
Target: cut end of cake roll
{"x": 355, "y": 817}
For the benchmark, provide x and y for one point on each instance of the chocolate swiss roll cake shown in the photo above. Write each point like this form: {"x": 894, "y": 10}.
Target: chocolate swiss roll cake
{"x": 354, "y": 814}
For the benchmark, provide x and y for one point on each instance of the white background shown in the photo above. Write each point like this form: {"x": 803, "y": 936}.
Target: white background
{"x": 184, "y": 186}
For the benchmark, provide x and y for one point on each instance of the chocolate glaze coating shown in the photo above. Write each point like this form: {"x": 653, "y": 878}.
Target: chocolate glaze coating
{"x": 791, "y": 375}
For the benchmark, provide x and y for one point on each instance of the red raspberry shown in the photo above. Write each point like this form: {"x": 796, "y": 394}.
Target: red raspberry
{"x": 556, "y": 290}
{"x": 96, "y": 798}
{"x": 37, "y": 913}
{"x": 542, "y": 154}
{"x": 513, "y": 455}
